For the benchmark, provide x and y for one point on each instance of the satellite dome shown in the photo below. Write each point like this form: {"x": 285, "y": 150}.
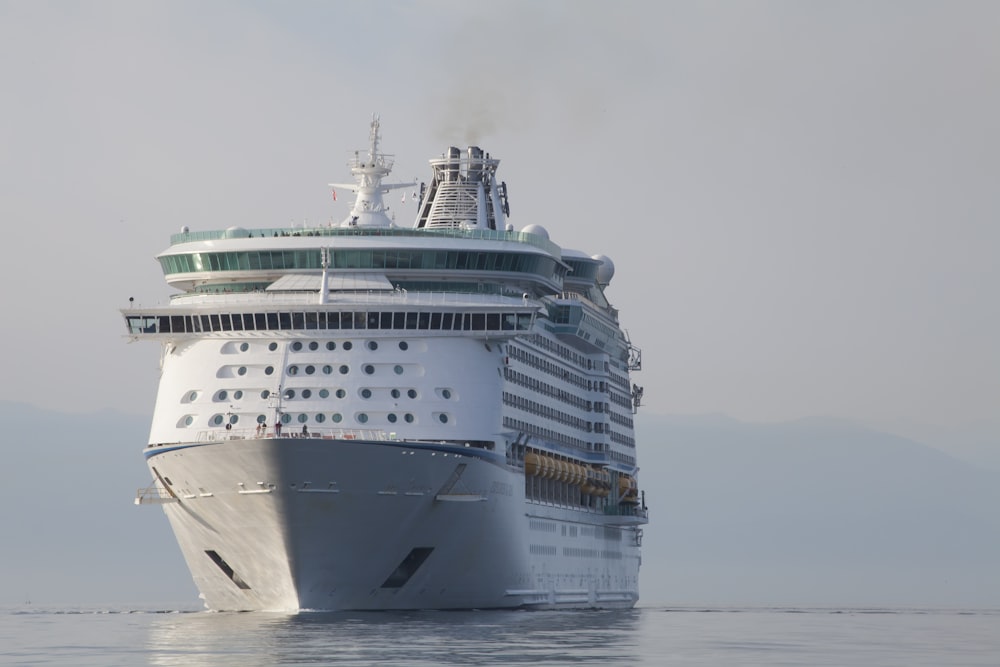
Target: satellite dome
{"x": 537, "y": 230}
{"x": 236, "y": 233}
{"x": 185, "y": 229}
{"x": 606, "y": 271}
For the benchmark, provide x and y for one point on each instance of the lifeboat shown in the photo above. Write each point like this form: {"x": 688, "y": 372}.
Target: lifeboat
{"x": 532, "y": 464}
{"x": 628, "y": 489}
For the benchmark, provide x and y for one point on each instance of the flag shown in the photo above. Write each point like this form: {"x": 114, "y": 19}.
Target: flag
{"x": 334, "y": 195}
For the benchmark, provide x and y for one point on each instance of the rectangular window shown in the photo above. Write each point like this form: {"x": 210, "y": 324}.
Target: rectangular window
{"x": 435, "y": 320}
{"x": 386, "y": 321}
{"x": 411, "y": 320}
{"x": 298, "y": 321}
{"x": 284, "y": 321}
{"x": 478, "y": 321}
{"x": 447, "y": 321}
{"x": 493, "y": 321}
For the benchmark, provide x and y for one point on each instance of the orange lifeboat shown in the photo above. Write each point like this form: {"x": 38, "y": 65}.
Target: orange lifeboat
{"x": 532, "y": 464}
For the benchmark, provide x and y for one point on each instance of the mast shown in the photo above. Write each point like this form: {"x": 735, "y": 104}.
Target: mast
{"x": 369, "y": 208}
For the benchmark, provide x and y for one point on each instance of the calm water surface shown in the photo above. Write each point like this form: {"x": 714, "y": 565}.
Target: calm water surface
{"x": 647, "y": 636}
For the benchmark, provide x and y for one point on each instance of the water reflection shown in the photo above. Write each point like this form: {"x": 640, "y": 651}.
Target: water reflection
{"x": 400, "y": 638}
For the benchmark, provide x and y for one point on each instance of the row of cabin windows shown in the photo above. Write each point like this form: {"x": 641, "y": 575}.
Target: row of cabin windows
{"x": 290, "y": 321}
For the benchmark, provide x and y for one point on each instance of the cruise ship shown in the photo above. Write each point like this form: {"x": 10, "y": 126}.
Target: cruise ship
{"x": 371, "y": 416}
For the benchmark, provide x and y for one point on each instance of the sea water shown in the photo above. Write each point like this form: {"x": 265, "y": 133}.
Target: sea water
{"x": 649, "y": 636}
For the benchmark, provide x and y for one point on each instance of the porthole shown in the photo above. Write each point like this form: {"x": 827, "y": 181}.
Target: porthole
{"x": 310, "y": 370}
{"x": 443, "y": 418}
{"x": 313, "y": 345}
{"x": 369, "y": 369}
{"x": 272, "y": 346}
{"x": 412, "y": 393}
{"x": 362, "y": 418}
{"x": 330, "y": 345}
{"x": 398, "y": 369}
{"x": 320, "y": 418}
{"x": 347, "y": 345}
{"x": 446, "y": 393}
{"x": 265, "y": 394}
{"x": 307, "y": 393}
{"x": 289, "y": 393}
{"x": 269, "y": 370}
{"x": 366, "y": 393}
{"x": 344, "y": 370}
{"x": 324, "y": 393}
{"x": 216, "y": 420}
{"x": 242, "y": 370}
{"x": 303, "y": 418}
{"x": 297, "y": 345}
{"x": 188, "y": 420}
{"x": 286, "y": 418}
{"x": 193, "y": 396}
{"x": 293, "y": 370}
{"x": 327, "y": 369}
{"x": 395, "y": 393}
{"x": 341, "y": 393}
{"x": 337, "y": 417}
{"x": 222, "y": 395}
{"x": 244, "y": 347}
{"x": 233, "y": 419}
{"x": 261, "y": 419}
{"x": 408, "y": 417}
{"x": 403, "y": 345}
{"x": 392, "y": 417}
{"x": 238, "y": 394}
{"x": 372, "y": 345}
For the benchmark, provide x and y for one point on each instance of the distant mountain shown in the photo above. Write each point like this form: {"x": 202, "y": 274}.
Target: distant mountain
{"x": 71, "y": 533}
{"x": 815, "y": 511}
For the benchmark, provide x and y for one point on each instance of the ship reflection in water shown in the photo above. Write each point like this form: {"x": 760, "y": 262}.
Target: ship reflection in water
{"x": 397, "y": 638}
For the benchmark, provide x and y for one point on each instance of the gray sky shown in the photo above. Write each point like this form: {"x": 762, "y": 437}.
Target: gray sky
{"x": 801, "y": 198}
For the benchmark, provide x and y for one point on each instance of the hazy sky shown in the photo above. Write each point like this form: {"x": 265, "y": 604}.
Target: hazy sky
{"x": 801, "y": 198}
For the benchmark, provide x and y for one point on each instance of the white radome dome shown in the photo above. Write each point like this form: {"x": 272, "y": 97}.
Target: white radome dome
{"x": 537, "y": 230}
{"x": 606, "y": 271}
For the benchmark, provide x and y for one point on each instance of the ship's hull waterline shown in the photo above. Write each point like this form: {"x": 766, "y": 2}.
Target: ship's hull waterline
{"x": 287, "y": 524}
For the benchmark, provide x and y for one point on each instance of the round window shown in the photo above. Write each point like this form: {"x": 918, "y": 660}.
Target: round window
{"x": 261, "y": 419}
{"x": 348, "y": 345}
{"x": 369, "y": 369}
{"x": 188, "y": 420}
{"x": 242, "y": 370}
{"x": 289, "y": 393}
{"x": 446, "y": 393}
{"x": 269, "y": 370}
{"x": 193, "y": 396}
{"x": 272, "y": 346}
{"x": 366, "y": 393}
{"x": 324, "y": 393}
{"x": 233, "y": 419}
{"x": 320, "y": 418}
{"x": 372, "y": 345}
{"x": 286, "y": 418}
{"x": 297, "y": 345}
{"x": 313, "y": 345}
{"x": 344, "y": 370}
{"x": 238, "y": 394}
{"x": 392, "y": 417}
{"x": 306, "y": 393}
{"x": 222, "y": 395}
{"x": 330, "y": 345}
{"x": 293, "y": 370}
{"x": 395, "y": 393}
{"x": 403, "y": 345}
{"x": 303, "y": 418}
{"x": 265, "y": 394}
{"x": 310, "y": 370}
{"x": 398, "y": 369}
{"x": 216, "y": 420}
{"x": 443, "y": 418}
{"x": 337, "y": 417}
{"x": 244, "y": 347}
{"x": 412, "y": 393}
{"x": 327, "y": 369}
{"x": 408, "y": 417}
{"x": 341, "y": 393}
{"x": 362, "y": 418}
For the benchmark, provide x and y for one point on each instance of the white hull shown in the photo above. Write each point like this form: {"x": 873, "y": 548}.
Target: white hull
{"x": 297, "y": 523}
